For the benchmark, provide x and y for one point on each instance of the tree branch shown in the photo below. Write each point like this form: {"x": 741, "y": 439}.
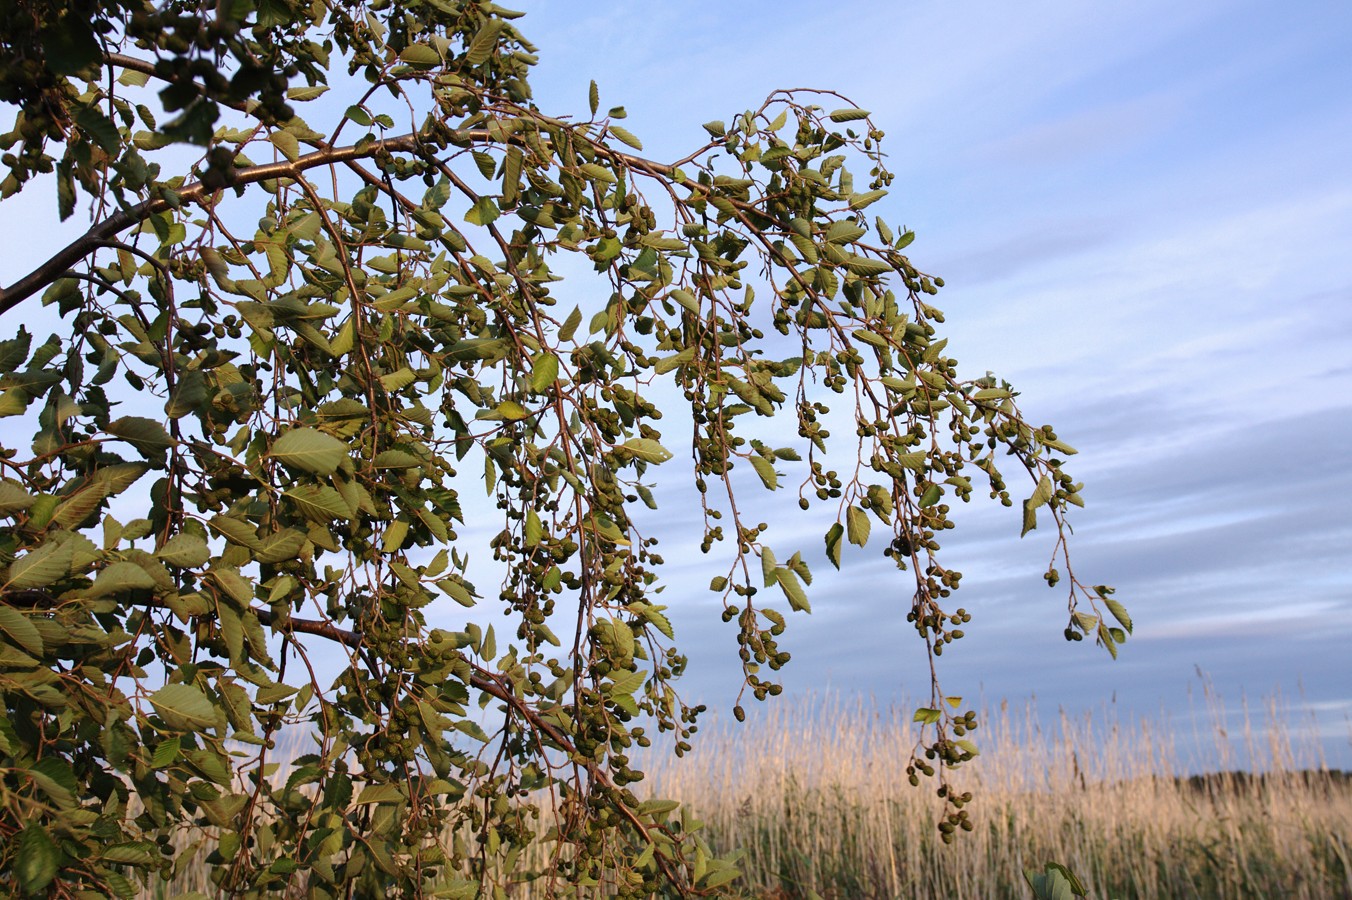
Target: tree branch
{"x": 55, "y": 267}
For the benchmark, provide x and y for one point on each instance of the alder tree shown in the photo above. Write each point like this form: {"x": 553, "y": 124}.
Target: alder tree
{"x": 315, "y": 309}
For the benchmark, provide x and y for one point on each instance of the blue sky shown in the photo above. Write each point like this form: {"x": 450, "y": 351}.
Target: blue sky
{"x": 1143, "y": 213}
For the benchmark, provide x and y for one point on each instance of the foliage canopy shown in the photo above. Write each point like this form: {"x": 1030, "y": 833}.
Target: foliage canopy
{"x": 284, "y": 352}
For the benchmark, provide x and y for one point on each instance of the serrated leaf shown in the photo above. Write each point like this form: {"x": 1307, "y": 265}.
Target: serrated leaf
{"x": 1119, "y": 612}
{"x": 833, "y": 545}
{"x": 310, "y": 450}
{"x": 511, "y": 411}
{"x": 70, "y": 512}
{"x": 146, "y": 435}
{"x": 849, "y": 114}
{"x": 544, "y": 371}
{"x": 569, "y": 326}
{"x": 395, "y": 459}
{"x": 1029, "y": 517}
{"x": 844, "y": 232}
{"x": 319, "y": 503}
{"x": 686, "y": 299}
{"x": 94, "y": 123}
{"x": 667, "y": 363}
{"x": 857, "y": 526}
{"x": 593, "y": 97}
{"x": 41, "y": 567}
{"x": 859, "y": 201}
{"x": 647, "y": 449}
{"x": 13, "y": 498}
{"x": 1043, "y": 493}
{"x": 483, "y": 212}
{"x": 14, "y": 402}
{"x": 484, "y": 43}
{"x": 597, "y": 172}
{"x": 420, "y": 56}
{"x": 926, "y": 715}
{"x": 280, "y": 546}
{"x": 304, "y": 94}
{"x": 120, "y": 577}
{"x": 35, "y": 859}
{"x": 788, "y": 583}
{"x": 21, "y": 631}
{"x": 184, "y": 707}
{"x": 932, "y": 495}
{"x": 165, "y": 753}
{"x": 766, "y": 470}
{"x": 768, "y": 565}
{"x": 286, "y": 144}
{"x": 626, "y": 137}
{"x": 533, "y": 529}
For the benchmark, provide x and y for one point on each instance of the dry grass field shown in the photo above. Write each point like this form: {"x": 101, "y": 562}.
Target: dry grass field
{"x": 816, "y": 794}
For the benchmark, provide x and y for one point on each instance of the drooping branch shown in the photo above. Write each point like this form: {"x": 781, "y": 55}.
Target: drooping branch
{"x": 104, "y": 231}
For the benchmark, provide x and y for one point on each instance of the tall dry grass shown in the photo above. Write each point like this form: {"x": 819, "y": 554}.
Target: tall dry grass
{"x": 817, "y": 795}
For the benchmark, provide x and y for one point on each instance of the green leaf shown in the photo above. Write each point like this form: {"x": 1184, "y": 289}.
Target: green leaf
{"x": 833, "y": 545}
{"x": 36, "y": 859}
{"x": 420, "y": 56}
{"x": 1029, "y": 517}
{"x": 686, "y": 299}
{"x": 667, "y": 363}
{"x": 511, "y": 411}
{"x": 41, "y": 567}
{"x": 13, "y": 498}
{"x": 647, "y": 450}
{"x": 310, "y": 450}
{"x": 625, "y": 136}
{"x": 766, "y": 471}
{"x": 931, "y": 496}
{"x": 1119, "y": 612}
{"x": 844, "y": 232}
{"x": 97, "y": 126}
{"x": 21, "y": 631}
{"x": 793, "y": 590}
{"x": 857, "y": 525}
{"x": 484, "y": 43}
{"x": 857, "y": 202}
{"x": 544, "y": 372}
{"x": 533, "y": 530}
{"x": 395, "y": 459}
{"x": 319, "y": 503}
{"x": 120, "y": 577}
{"x": 14, "y": 402}
{"x": 280, "y": 546}
{"x": 184, "y": 707}
{"x": 849, "y": 114}
{"x": 146, "y": 435}
{"x": 569, "y": 326}
{"x": 483, "y": 212}
{"x": 926, "y": 715}
{"x": 304, "y": 94}
{"x": 768, "y": 565}
{"x": 593, "y": 97}
{"x": 70, "y": 512}
{"x": 286, "y": 144}
{"x": 165, "y": 753}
